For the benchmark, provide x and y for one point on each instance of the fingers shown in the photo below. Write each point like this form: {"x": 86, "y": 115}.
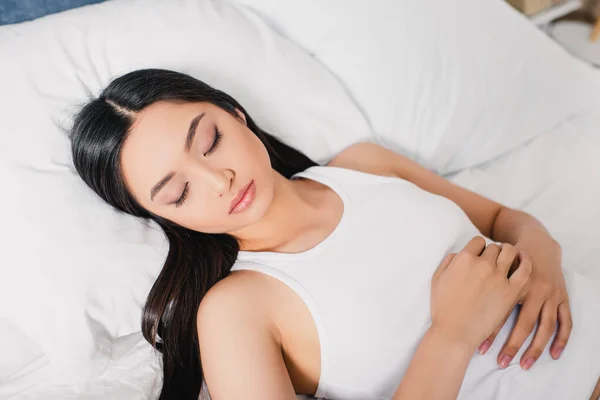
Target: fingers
{"x": 487, "y": 343}
{"x": 542, "y": 336}
{"x": 565, "y": 325}
{"x": 442, "y": 267}
{"x": 475, "y": 246}
{"x": 491, "y": 253}
{"x": 528, "y": 316}
{"x": 506, "y": 257}
{"x": 520, "y": 277}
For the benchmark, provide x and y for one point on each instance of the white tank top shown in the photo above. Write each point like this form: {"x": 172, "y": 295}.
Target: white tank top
{"x": 367, "y": 287}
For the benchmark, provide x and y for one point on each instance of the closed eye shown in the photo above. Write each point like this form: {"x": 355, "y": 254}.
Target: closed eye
{"x": 183, "y": 196}
{"x": 216, "y": 142}
{"x": 186, "y": 188}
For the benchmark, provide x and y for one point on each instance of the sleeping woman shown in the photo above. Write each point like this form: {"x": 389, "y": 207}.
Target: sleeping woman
{"x": 368, "y": 278}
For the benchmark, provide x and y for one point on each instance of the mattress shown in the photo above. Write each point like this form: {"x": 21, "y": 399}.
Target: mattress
{"x": 555, "y": 177}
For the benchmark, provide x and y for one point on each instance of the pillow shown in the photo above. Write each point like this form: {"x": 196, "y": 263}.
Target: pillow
{"x": 20, "y": 357}
{"x": 451, "y": 84}
{"x": 75, "y": 272}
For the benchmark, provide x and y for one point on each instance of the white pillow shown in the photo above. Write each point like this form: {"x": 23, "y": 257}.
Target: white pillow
{"x": 450, "y": 83}
{"x": 20, "y": 357}
{"x": 74, "y": 272}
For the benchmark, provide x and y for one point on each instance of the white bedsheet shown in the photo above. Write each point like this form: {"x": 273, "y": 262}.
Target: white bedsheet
{"x": 555, "y": 177}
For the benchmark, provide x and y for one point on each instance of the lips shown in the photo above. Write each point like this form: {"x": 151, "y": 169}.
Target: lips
{"x": 241, "y": 198}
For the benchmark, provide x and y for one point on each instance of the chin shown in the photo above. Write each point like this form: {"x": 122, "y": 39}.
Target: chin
{"x": 262, "y": 202}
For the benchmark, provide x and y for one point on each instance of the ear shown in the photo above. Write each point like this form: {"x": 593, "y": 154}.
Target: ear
{"x": 241, "y": 116}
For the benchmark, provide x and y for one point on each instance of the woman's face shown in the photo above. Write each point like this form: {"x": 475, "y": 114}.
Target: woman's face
{"x": 188, "y": 162}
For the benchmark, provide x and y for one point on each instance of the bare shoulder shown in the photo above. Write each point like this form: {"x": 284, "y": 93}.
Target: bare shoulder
{"x": 237, "y": 299}
{"x": 367, "y": 157}
{"x": 238, "y": 339}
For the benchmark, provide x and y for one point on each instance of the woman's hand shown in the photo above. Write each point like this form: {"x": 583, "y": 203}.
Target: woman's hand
{"x": 471, "y": 293}
{"x": 545, "y": 298}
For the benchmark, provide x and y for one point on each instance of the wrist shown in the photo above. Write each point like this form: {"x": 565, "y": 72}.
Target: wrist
{"x": 512, "y": 226}
{"x": 535, "y": 239}
{"x": 453, "y": 342}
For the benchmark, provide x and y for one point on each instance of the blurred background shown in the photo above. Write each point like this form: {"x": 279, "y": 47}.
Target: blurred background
{"x": 575, "y": 24}
{"x": 15, "y": 11}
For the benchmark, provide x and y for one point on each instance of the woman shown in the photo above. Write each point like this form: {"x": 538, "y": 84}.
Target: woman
{"x": 286, "y": 277}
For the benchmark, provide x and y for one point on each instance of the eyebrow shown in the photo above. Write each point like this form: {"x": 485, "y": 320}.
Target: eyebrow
{"x": 188, "y": 145}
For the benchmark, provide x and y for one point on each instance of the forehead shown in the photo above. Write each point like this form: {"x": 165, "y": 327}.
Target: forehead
{"x": 163, "y": 119}
{"x": 155, "y": 142}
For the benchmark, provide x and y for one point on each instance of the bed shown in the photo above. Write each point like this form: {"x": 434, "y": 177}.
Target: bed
{"x": 559, "y": 168}
{"x": 545, "y": 163}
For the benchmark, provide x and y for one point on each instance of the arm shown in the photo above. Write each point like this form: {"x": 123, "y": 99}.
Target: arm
{"x": 514, "y": 226}
{"x": 437, "y": 369}
{"x": 546, "y": 295}
{"x": 240, "y": 348}
{"x": 494, "y": 220}
{"x": 374, "y": 159}
{"x": 470, "y": 292}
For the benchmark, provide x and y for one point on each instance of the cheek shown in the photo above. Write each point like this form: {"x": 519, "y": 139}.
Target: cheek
{"x": 259, "y": 155}
{"x": 247, "y": 154}
{"x": 200, "y": 217}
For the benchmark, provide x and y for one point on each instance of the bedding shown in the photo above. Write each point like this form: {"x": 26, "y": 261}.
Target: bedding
{"x": 84, "y": 270}
{"x": 555, "y": 177}
{"x": 76, "y": 273}
{"x": 452, "y": 84}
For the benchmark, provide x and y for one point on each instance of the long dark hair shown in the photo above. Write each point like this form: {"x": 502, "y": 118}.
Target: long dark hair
{"x": 196, "y": 260}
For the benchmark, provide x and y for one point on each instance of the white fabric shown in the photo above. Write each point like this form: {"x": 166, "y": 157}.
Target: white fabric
{"x": 23, "y": 362}
{"x": 371, "y": 305}
{"x": 450, "y": 83}
{"x": 133, "y": 373}
{"x": 74, "y": 272}
{"x": 554, "y": 177}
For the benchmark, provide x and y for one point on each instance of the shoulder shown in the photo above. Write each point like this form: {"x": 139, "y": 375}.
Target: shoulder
{"x": 367, "y": 157}
{"x": 236, "y": 338}
{"x": 237, "y": 301}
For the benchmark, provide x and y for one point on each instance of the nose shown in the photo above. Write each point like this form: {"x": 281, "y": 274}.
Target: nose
{"x": 215, "y": 179}
{"x": 220, "y": 180}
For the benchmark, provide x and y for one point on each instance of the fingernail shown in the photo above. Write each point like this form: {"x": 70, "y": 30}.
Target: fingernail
{"x": 484, "y": 347}
{"x": 504, "y": 361}
{"x": 557, "y": 352}
{"x": 528, "y": 363}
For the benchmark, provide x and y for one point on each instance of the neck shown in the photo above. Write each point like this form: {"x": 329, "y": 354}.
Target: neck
{"x": 291, "y": 212}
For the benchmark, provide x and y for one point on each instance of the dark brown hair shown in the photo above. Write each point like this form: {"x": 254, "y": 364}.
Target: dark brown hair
{"x": 196, "y": 260}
